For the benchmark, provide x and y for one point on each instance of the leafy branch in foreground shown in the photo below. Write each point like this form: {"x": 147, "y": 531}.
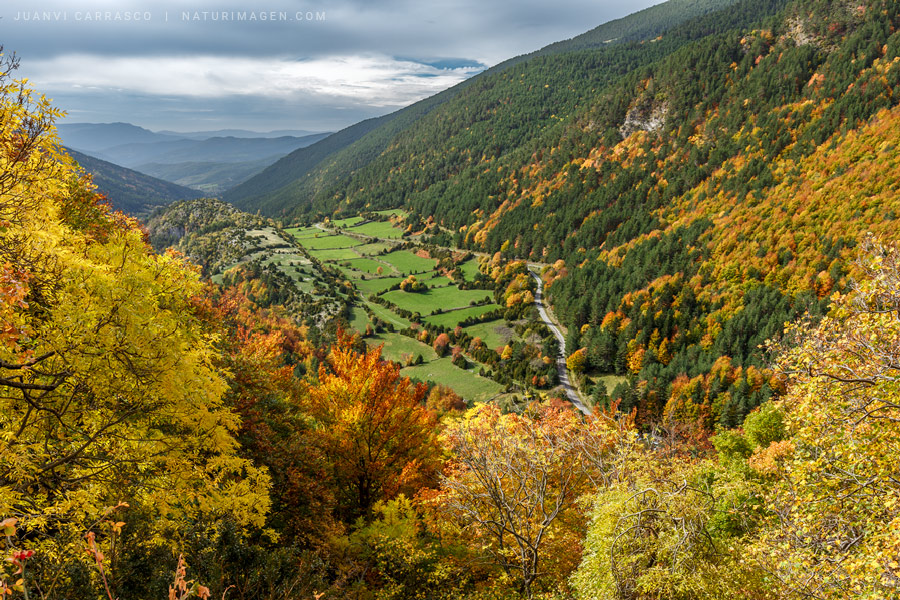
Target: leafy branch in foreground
{"x": 515, "y": 479}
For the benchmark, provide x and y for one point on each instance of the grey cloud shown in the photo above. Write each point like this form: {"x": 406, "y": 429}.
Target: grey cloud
{"x": 443, "y": 34}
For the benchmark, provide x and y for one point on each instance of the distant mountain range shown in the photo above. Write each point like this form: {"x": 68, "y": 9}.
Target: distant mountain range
{"x": 210, "y": 162}
{"x": 129, "y": 191}
{"x": 238, "y": 133}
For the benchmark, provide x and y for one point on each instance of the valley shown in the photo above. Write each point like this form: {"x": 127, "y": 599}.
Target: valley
{"x": 399, "y": 292}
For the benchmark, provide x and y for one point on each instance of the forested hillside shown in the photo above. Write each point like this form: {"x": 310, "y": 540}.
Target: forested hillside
{"x": 129, "y": 191}
{"x": 288, "y": 185}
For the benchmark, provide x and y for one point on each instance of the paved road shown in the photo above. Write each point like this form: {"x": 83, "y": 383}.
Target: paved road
{"x": 571, "y": 394}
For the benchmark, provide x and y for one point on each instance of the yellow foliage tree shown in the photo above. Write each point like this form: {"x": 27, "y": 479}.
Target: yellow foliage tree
{"x": 577, "y": 360}
{"x": 107, "y": 389}
{"x": 514, "y": 480}
{"x": 838, "y": 494}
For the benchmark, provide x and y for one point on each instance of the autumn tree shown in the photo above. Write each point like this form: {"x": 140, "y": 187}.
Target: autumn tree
{"x": 372, "y": 425}
{"x": 108, "y": 389}
{"x": 261, "y": 352}
{"x": 673, "y": 529}
{"x": 441, "y": 343}
{"x": 577, "y": 360}
{"x": 514, "y": 480}
{"x": 838, "y": 495}
{"x": 443, "y": 400}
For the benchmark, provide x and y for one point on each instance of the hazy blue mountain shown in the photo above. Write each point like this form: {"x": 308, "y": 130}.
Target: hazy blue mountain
{"x": 217, "y": 150}
{"x": 208, "y": 161}
{"x": 209, "y": 177}
{"x": 130, "y": 191}
{"x": 96, "y": 137}
{"x": 238, "y": 133}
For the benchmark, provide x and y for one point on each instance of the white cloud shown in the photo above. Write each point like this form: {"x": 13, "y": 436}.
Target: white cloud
{"x": 376, "y": 79}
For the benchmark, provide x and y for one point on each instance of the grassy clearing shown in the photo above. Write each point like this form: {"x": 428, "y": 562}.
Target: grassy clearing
{"x": 358, "y": 319}
{"x": 348, "y": 273}
{"x": 329, "y": 242}
{"x": 379, "y": 229}
{"x": 493, "y": 333}
{"x": 398, "y": 347}
{"x": 388, "y": 316}
{"x": 452, "y": 318}
{"x": 300, "y": 233}
{"x": 443, "y": 298}
{"x": 611, "y": 381}
{"x": 284, "y": 259}
{"x": 435, "y": 279}
{"x": 343, "y": 223}
{"x": 470, "y": 269}
{"x": 368, "y": 265}
{"x": 375, "y": 286}
{"x": 394, "y": 211}
{"x": 467, "y": 384}
{"x": 407, "y": 262}
{"x": 370, "y": 249}
{"x": 332, "y": 255}
{"x": 266, "y": 237}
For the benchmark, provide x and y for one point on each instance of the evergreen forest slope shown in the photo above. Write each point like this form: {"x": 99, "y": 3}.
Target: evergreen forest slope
{"x": 129, "y": 191}
{"x": 311, "y": 172}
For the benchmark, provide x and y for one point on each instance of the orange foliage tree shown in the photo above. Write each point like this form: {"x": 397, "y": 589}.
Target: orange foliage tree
{"x": 372, "y": 425}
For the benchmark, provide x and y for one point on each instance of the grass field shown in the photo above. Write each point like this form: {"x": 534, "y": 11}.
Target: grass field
{"x": 379, "y": 229}
{"x": 493, "y": 333}
{"x": 611, "y": 381}
{"x": 336, "y": 254}
{"x": 470, "y": 269}
{"x": 285, "y": 258}
{"x": 467, "y": 384}
{"x": 452, "y": 318}
{"x": 368, "y": 265}
{"x": 397, "y": 347}
{"x": 362, "y": 263}
{"x": 303, "y": 232}
{"x": 358, "y": 319}
{"x": 435, "y": 279}
{"x": 329, "y": 242}
{"x": 444, "y": 298}
{"x": 375, "y": 286}
{"x": 266, "y": 239}
{"x": 394, "y": 211}
{"x": 388, "y": 315}
{"x": 407, "y": 262}
{"x": 369, "y": 249}
{"x": 343, "y": 223}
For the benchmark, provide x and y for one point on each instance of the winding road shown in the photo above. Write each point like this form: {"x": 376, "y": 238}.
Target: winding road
{"x": 571, "y": 394}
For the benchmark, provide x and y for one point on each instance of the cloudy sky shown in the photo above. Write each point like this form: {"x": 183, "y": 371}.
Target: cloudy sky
{"x": 317, "y": 65}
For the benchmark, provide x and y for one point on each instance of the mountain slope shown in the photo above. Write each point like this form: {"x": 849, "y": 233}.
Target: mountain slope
{"x": 309, "y": 173}
{"x": 129, "y": 191}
